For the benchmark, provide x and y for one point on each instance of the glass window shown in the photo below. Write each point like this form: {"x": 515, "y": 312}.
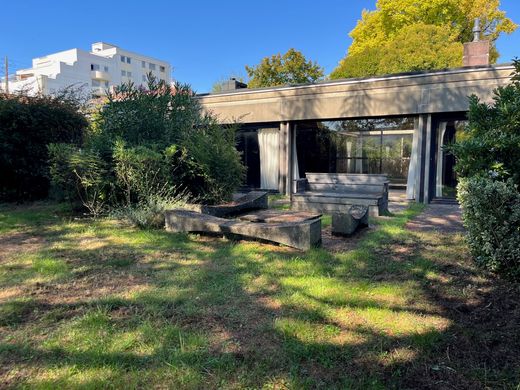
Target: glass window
{"x": 106, "y": 84}
{"x": 123, "y": 59}
{"x": 123, "y": 73}
{"x": 95, "y": 83}
{"x": 373, "y": 146}
{"x": 151, "y": 66}
{"x": 105, "y": 68}
{"x": 162, "y": 68}
{"x": 129, "y": 74}
{"x": 144, "y": 79}
{"x": 128, "y": 60}
{"x": 143, "y": 64}
{"x": 94, "y": 67}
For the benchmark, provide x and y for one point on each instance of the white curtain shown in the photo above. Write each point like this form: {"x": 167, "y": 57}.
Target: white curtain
{"x": 268, "y": 142}
{"x": 412, "y": 168}
{"x": 440, "y": 159}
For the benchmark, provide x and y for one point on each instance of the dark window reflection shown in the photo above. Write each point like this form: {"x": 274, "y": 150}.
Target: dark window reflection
{"x": 381, "y": 145}
{"x": 247, "y": 144}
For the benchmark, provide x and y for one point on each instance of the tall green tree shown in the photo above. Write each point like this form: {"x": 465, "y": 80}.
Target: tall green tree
{"x": 409, "y": 35}
{"x": 290, "y": 68}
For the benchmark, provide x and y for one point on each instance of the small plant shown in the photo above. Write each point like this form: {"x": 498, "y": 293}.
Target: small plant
{"x": 149, "y": 213}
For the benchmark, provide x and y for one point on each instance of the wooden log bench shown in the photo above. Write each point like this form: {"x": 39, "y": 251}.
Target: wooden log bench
{"x": 301, "y": 232}
{"x": 337, "y": 192}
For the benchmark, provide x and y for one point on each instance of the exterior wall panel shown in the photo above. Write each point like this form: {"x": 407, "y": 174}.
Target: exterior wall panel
{"x": 387, "y": 96}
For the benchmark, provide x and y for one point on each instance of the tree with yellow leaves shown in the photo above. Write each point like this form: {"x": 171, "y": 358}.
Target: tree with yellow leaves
{"x": 410, "y": 35}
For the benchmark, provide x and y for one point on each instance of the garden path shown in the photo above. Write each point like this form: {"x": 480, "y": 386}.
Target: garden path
{"x": 444, "y": 218}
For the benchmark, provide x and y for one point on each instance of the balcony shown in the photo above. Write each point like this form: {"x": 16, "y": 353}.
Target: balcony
{"x": 99, "y": 75}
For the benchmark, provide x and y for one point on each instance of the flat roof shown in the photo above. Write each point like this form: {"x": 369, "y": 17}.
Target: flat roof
{"x": 393, "y": 76}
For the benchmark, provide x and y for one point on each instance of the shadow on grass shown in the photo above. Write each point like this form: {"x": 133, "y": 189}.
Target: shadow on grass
{"x": 400, "y": 310}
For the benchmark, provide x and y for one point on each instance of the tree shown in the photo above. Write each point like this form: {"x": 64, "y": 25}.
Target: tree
{"x": 407, "y": 35}
{"x": 291, "y": 68}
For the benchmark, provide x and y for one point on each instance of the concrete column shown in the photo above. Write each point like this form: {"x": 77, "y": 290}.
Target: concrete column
{"x": 428, "y": 163}
{"x": 284, "y": 184}
{"x": 422, "y": 177}
{"x": 420, "y": 159}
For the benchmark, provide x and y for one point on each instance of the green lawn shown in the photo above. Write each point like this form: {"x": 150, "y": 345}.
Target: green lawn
{"x": 96, "y": 304}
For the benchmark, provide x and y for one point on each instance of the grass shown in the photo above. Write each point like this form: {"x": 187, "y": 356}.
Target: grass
{"x": 97, "y": 304}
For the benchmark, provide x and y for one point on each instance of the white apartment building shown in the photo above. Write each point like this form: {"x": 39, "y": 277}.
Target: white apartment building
{"x": 99, "y": 70}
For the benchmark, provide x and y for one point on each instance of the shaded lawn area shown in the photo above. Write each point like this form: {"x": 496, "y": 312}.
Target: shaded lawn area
{"x": 94, "y": 304}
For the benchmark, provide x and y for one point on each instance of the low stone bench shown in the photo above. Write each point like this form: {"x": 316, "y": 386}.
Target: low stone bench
{"x": 253, "y": 200}
{"x": 337, "y": 192}
{"x": 302, "y": 235}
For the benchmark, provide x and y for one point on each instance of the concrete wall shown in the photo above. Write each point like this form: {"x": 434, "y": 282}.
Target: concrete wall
{"x": 414, "y": 94}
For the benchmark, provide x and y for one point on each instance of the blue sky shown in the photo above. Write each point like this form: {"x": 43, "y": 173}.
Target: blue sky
{"x": 204, "y": 40}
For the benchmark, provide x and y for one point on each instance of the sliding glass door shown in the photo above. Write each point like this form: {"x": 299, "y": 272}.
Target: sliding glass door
{"x": 445, "y": 175}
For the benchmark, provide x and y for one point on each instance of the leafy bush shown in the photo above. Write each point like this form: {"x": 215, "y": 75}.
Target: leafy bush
{"x": 491, "y": 141}
{"x": 491, "y": 213}
{"x": 141, "y": 172}
{"x": 27, "y": 125}
{"x": 165, "y": 129}
{"x": 81, "y": 174}
{"x": 488, "y": 163}
{"x": 149, "y": 212}
{"x": 146, "y": 150}
{"x": 212, "y": 147}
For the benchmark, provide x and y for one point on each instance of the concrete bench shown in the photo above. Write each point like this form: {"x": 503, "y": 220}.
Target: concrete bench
{"x": 253, "y": 200}
{"x": 301, "y": 235}
{"x": 337, "y": 192}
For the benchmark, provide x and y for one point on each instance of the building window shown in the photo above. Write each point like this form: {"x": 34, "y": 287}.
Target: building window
{"x": 106, "y": 68}
{"x": 162, "y": 68}
{"x": 106, "y": 84}
{"x": 123, "y": 59}
{"x": 144, "y": 79}
{"x": 129, "y": 74}
{"x": 128, "y": 60}
{"x": 151, "y": 66}
{"x": 143, "y": 64}
{"x": 123, "y": 73}
{"x": 94, "y": 67}
{"x": 368, "y": 146}
{"x": 95, "y": 83}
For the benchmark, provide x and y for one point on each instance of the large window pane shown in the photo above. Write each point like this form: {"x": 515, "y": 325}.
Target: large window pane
{"x": 378, "y": 145}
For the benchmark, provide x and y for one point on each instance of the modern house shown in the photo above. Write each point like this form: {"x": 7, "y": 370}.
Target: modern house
{"x": 98, "y": 70}
{"x": 394, "y": 124}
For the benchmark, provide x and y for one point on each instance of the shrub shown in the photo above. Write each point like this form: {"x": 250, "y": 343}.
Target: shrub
{"x": 27, "y": 126}
{"x": 199, "y": 153}
{"x": 149, "y": 212}
{"x": 81, "y": 174}
{"x": 491, "y": 141}
{"x": 213, "y": 148}
{"x": 488, "y": 165}
{"x": 491, "y": 214}
{"x": 141, "y": 172}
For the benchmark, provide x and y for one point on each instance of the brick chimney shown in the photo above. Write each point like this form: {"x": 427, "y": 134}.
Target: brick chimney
{"x": 476, "y": 53}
